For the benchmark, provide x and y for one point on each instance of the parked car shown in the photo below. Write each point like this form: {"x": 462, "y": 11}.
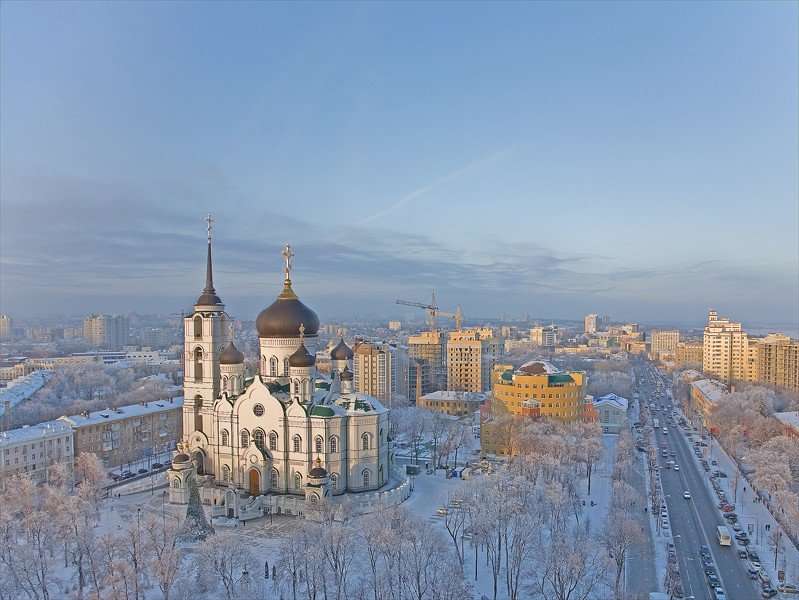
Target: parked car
{"x": 753, "y": 556}
{"x": 788, "y": 588}
{"x": 704, "y": 550}
{"x": 115, "y": 476}
{"x": 713, "y": 580}
{"x": 142, "y": 471}
{"x": 768, "y": 592}
{"x": 741, "y": 535}
{"x": 742, "y": 554}
{"x": 127, "y": 475}
{"x": 157, "y": 465}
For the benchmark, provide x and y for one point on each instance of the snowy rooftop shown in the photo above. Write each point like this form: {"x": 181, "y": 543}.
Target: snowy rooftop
{"x": 122, "y": 412}
{"x": 711, "y": 389}
{"x": 612, "y": 400}
{"x": 449, "y": 396}
{"x": 539, "y": 367}
{"x": 791, "y": 419}
{"x": 34, "y": 432}
{"x": 22, "y": 388}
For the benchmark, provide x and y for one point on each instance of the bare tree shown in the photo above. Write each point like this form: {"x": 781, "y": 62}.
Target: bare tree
{"x": 226, "y": 557}
{"x": 161, "y": 552}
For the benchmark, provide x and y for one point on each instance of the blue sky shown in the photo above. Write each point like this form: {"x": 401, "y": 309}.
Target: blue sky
{"x": 635, "y": 159}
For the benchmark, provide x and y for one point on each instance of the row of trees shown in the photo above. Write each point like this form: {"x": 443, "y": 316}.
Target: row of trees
{"x": 79, "y": 388}
{"x": 420, "y": 429}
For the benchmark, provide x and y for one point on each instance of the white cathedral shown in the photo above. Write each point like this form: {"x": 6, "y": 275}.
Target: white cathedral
{"x": 284, "y": 431}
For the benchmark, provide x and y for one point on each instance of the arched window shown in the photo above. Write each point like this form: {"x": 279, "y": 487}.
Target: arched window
{"x": 198, "y": 364}
{"x": 225, "y": 474}
{"x": 297, "y": 481}
{"x": 334, "y": 444}
{"x": 286, "y": 367}
{"x": 176, "y": 483}
{"x": 272, "y": 440}
{"x": 224, "y": 437}
{"x": 365, "y": 441}
{"x": 297, "y": 442}
{"x": 198, "y": 417}
{"x": 273, "y": 366}
{"x": 296, "y": 386}
{"x": 365, "y": 475}
{"x": 273, "y": 479}
{"x": 319, "y": 443}
{"x": 334, "y": 481}
{"x": 245, "y": 438}
{"x": 198, "y": 326}
{"x": 259, "y": 437}
{"x": 224, "y": 383}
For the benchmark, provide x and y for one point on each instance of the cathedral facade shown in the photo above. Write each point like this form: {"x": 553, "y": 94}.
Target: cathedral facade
{"x": 283, "y": 430}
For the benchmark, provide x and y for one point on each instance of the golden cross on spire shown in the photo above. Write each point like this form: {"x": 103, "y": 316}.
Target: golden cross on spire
{"x": 209, "y": 220}
{"x": 288, "y": 256}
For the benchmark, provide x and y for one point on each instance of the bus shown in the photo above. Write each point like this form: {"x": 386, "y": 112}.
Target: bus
{"x": 723, "y": 536}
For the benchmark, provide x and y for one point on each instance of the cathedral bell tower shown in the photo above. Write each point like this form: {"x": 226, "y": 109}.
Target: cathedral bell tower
{"x": 205, "y": 334}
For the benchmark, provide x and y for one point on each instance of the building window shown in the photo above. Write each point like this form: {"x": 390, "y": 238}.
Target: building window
{"x": 259, "y": 437}
{"x": 198, "y": 327}
{"x": 285, "y": 367}
{"x": 224, "y": 437}
{"x": 245, "y": 438}
{"x": 334, "y": 444}
{"x": 365, "y": 441}
{"x": 176, "y": 483}
{"x": 272, "y": 440}
{"x": 297, "y": 481}
{"x": 297, "y": 441}
{"x": 365, "y": 475}
{"x": 319, "y": 442}
{"x": 273, "y": 479}
{"x": 334, "y": 481}
{"x": 198, "y": 365}
{"x": 225, "y": 474}
{"x": 273, "y": 366}
{"x": 258, "y": 410}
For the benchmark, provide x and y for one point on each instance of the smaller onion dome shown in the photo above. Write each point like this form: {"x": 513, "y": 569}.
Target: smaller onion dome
{"x": 301, "y": 358}
{"x": 181, "y": 458}
{"x": 346, "y": 374}
{"x": 318, "y": 472}
{"x": 341, "y": 352}
{"x": 231, "y": 355}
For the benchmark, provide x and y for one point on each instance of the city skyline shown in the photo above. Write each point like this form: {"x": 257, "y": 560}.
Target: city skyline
{"x": 584, "y": 161}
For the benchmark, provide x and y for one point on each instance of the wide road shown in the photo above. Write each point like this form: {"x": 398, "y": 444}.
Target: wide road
{"x": 694, "y": 521}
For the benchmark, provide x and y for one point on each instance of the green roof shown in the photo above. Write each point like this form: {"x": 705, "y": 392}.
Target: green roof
{"x": 507, "y": 375}
{"x": 322, "y": 385}
{"x": 322, "y": 411}
{"x": 560, "y": 378}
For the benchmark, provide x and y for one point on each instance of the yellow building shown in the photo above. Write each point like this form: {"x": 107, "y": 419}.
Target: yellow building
{"x": 778, "y": 361}
{"x": 663, "y": 341}
{"x": 456, "y": 404}
{"x": 705, "y": 395}
{"x": 471, "y": 354}
{"x": 725, "y": 352}
{"x": 557, "y": 394}
{"x": 689, "y": 353}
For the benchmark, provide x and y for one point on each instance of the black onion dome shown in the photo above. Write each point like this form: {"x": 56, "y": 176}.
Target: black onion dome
{"x": 318, "y": 472}
{"x": 346, "y": 374}
{"x": 231, "y": 355}
{"x": 341, "y": 352}
{"x": 302, "y": 358}
{"x": 181, "y": 458}
{"x": 282, "y": 319}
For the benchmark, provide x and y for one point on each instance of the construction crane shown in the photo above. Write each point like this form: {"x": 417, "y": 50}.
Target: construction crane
{"x": 434, "y": 311}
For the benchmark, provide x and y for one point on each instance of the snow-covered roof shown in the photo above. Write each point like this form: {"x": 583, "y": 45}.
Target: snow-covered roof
{"x": 22, "y": 388}
{"x": 612, "y": 400}
{"x": 791, "y": 419}
{"x": 123, "y": 412}
{"x": 711, "y": 389}
{"x": 451, "y": 395}
{"x": 34, "y": 432}
{"x": 544, "y": 365}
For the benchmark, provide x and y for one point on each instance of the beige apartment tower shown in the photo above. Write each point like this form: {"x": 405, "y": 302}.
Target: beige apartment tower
{"x": 663, "y": 341}
{"x": 380, "y": 370}
{"x": 429, "y": 349}
{"x": 778, "y": 361}
{"x": 725, "y": 351}
{"x": 471, "y": 354}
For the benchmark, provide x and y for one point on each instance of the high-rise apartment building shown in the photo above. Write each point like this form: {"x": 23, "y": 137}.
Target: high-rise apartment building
{"x": 471, "y": 354}
{"x": 380, "y": 370}
{"x": 394, "y": 325}
{"x": 778, "y": 361}
{"x": 688, "y": 353}
{"x": 725, "y": 352}
{"x": 5, "y": 327}
{"x": 591, "y": 323}
{"x": 663, "y": 341}
{"x": 544, "y": 336}
{"x": 429, "y": 349}
{"x": 106, "y": 331}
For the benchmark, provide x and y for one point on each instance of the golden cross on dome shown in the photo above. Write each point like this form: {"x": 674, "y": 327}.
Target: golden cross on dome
{"x": 288, "y": 256}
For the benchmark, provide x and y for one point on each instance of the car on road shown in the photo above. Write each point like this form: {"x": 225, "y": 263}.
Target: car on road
{"x": 686, "y": 494}
{"x": 753, "y": 556}
{"x": 768, "y": 592}
{"x": 142, "y": 471}
{"x": 741, "y": 535}
{"x": 676, "y": 467}
{"x": 713, "y": 581}
{"x": 742, "y": 554}
{"x": 719, "y": 594}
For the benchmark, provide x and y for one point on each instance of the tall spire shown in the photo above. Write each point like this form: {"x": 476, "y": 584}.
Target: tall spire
{"x": 209, "y": 296}
{"x": 288, "y": 258}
